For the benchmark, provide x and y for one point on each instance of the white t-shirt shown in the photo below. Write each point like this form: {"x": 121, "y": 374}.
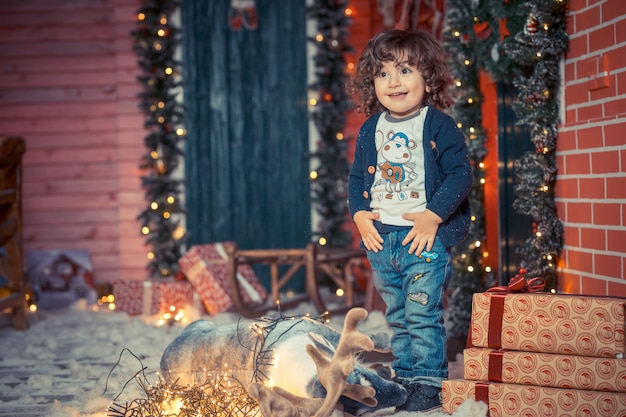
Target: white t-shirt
{"x": 399, "y": 179}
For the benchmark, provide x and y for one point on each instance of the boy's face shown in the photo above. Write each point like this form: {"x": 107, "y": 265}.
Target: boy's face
{"x": 400, "y": 88}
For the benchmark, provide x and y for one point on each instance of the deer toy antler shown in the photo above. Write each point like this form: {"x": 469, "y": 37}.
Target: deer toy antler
{"x": 332, "y": 373}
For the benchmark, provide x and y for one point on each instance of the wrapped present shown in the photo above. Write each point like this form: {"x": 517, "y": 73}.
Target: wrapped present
{"x": 151, "y": 296}
{"x": 506, "y": 400}
{"x": 545, "y": 369}
{"x": 548, "y": 323}
{"x": 206, "y": 267}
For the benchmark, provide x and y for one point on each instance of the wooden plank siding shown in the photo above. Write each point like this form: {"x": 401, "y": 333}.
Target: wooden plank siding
{"x": 68, "y": 86}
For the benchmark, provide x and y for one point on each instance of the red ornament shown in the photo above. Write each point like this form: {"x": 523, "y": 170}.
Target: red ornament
{"x": 482, "y": 30}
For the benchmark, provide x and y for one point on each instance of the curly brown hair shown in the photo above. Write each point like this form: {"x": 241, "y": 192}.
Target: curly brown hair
{"x": 420, "y": 49}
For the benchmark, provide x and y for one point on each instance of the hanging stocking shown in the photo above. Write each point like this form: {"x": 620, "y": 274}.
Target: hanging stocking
{"x": 243, "y": 12}
{"x": 404, "y": 22}
{"x": 386, "y": 8}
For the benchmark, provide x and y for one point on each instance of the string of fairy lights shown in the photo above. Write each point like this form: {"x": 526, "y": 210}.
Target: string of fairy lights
{"x": 207, "y": 393}
{"x": 522, "y": 43}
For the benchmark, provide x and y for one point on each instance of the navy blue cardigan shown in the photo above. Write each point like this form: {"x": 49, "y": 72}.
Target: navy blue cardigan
{"x": 448, "y": 173}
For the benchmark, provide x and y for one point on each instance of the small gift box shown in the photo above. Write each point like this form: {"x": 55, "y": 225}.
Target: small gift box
{"x": 507, "y": 400}
{"x": 206, "y": 267}
{"x": 548, "y": 323}
{"x": 151, "y": 296}
{"x": 545, "y": 369}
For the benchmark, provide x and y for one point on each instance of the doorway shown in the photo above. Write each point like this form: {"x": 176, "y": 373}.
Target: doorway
{"x": 513, "y": 142}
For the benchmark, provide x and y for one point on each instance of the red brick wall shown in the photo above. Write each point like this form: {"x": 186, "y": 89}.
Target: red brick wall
{"x": 591, "y": 184}
{"x": 68, "y": 87}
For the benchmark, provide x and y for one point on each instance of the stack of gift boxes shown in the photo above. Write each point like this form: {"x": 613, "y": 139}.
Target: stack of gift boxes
{"x": 543, "y": 355}
{"x": 204, "y": 280}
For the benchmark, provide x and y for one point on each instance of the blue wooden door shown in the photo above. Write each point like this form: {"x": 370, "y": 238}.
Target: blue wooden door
{"x": 245, "y": 98}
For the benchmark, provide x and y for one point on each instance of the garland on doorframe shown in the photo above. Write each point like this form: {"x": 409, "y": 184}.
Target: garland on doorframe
{"x": 522, "y": 42}
{"x": 156, "y": 40}
{"x": 329, "y": 106}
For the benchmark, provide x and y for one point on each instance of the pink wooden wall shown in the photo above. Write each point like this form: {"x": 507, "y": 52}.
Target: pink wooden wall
{"x": 591, "y": 186}
{"x": 68, "y": 86}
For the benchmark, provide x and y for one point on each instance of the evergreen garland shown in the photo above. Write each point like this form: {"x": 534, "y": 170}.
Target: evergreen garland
{"x": 470, "y": 274}
{"x": 519, "y": 41}
{"x": 329, "y": 186}
{"x": 537, "y": 49}
{"x": 156, "y": 40}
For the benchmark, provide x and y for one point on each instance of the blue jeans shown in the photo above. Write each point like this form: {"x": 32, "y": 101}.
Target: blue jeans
{"x": 413, "y": 290}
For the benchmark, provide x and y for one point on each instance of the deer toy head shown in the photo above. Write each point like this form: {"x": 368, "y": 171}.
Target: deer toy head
{"x": 295, "y": 366}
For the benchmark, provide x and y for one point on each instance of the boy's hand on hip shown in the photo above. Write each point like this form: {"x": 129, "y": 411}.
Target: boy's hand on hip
{"x": 422, "y": 234}
{"x": 364, "y": 221}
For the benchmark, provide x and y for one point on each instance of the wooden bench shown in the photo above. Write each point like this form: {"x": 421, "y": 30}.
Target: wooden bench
{"x": 335, "y": 263}
{"x": 11, "y": 261}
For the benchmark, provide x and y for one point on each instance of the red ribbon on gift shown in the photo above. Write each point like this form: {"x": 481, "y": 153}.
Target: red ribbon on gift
{"x": 517, "y": 284}
{"x": 494, "y": 369}
{"x": 481, "y": 393}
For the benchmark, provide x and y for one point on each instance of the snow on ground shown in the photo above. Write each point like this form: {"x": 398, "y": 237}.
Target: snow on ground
{"x": 64, "y": 365}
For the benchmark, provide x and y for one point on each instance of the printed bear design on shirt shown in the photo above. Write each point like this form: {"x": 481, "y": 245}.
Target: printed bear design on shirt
{"x": 395, "y": 166}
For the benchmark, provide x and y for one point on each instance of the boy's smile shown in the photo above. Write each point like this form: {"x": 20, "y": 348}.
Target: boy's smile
{"x": 400, "y": 88}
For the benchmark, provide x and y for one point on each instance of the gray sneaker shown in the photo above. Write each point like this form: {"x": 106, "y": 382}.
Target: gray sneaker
{"x": 421, "y": 397}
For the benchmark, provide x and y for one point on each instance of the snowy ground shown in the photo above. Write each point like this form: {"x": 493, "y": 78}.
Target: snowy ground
{"x": 64, "y": 364}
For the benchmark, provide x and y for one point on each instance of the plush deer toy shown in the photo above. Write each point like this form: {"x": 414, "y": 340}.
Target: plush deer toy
{"x": 297, "y": 367}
